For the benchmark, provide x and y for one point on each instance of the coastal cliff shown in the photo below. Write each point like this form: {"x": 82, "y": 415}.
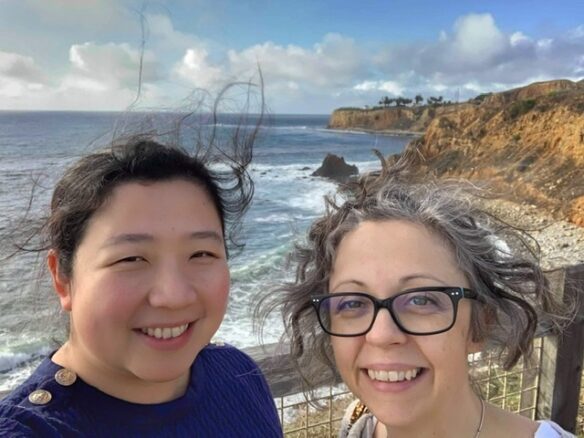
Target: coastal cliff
{"x": 527, "y": 143}
{"x": 412, "y": 120}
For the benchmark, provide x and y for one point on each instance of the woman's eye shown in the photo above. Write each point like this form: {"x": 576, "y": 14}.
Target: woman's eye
{"x": 202, "y": 254}
{"x": 420, "y": 300}
{"x": 351, "y": 305}
{"x": 131, "y": 259}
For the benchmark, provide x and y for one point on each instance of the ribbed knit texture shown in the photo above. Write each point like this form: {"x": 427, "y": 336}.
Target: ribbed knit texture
{"x": 227, "y": 397}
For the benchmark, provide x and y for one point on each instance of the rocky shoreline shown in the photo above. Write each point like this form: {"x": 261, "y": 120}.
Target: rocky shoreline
{"x": 392, "y": 132}
{"x": 561, "y": 242}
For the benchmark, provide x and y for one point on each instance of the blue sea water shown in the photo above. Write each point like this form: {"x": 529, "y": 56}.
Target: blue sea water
{"x": 35, "y": 147}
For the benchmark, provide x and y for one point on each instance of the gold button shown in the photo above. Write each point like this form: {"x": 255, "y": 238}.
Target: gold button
{"x": 65, "y": 377}
{"x": 40, "y": 397}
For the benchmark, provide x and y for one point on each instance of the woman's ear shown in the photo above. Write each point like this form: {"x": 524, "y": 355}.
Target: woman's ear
{"x": 474, "y": 346}
{"x": 481, "y": 319}
{"x": 61, "y": 284}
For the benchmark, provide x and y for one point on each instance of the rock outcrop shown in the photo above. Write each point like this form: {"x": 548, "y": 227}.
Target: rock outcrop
{"x": 411, "y": 120}
{"x": 526, "y": 143}
{"x": 335, "y": 168}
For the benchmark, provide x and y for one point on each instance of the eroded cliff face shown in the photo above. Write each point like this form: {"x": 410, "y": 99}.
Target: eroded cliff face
{"x": 390, "y": 119}
{"x": 528, "y": 143}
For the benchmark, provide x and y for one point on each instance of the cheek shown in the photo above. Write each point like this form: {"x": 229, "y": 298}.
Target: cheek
{"x": 215, "y": 288}
{"x": 447, "y": 355}
{"x": 346, "y": 351}
{"x": 100, "y": 300}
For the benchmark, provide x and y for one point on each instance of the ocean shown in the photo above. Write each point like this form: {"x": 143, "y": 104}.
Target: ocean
{"x": 36, "y": 146}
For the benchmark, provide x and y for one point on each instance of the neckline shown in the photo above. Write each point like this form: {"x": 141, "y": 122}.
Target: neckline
{"x": 86, "y": 397}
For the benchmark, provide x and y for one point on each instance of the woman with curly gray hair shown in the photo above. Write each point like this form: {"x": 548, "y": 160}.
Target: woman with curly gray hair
{"x": 398, "y": 282}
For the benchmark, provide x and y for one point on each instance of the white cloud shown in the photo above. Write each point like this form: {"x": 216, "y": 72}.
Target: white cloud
{"x": 391, "y": 87}
{"x": 471, "y": 57}
{"x": 291, "y": 73}
{"x": 477, "y": 39}
{"x": 18, "y": 67}
{"x": 87, "y": 14}
{"x": 334, "y": 62}
{"x": 98, "y": 77}
{"x": 477, "y": 56}
{"x": 196, "y": 70}
{"x": 161, "y": 32}
{"x": 518, "y": 38}
{"x": 111, "y": 65}
{"x": 576, "y": 33}
{"x": 545, "y": 43}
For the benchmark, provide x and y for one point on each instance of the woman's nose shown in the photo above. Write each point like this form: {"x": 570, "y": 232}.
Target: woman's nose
{"x": 172, "y": 288}
{"x": 384, "y": 330}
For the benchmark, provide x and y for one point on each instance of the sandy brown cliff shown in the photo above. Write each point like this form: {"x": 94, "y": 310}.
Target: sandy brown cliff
{"x": 388, "y": 119}
{"x": 527, "y": 142}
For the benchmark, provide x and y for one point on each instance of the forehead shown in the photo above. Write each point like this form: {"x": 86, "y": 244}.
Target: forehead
{"x": 153, "y": 205}
{"x": 394, "y": 249}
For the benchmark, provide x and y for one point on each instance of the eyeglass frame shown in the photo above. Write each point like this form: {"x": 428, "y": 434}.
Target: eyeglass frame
{"x": 455, "y": 293}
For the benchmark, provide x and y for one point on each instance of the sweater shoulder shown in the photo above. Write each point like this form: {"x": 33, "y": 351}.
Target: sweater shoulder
{"x": 228, "y": 357}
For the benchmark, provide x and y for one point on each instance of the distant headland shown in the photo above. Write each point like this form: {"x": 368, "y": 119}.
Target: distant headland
{"x": 528, "y": 142}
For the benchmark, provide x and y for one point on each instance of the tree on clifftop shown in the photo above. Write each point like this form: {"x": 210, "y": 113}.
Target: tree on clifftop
{"x": 418, "y": 99}
{"x": 434, "y": 101}
{"x": 385, "y": 101}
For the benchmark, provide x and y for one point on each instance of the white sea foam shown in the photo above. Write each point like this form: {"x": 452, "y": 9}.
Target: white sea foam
{"x": 16, "y": 376}
{"x": 343, "y": 131}
{"x": 12, "y": 358}
{"x": 281, "y": 218}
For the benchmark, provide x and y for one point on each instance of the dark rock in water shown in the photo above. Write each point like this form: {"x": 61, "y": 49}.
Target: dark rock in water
{"x": 335, "y": 168}
{"x": 305, "y": 168}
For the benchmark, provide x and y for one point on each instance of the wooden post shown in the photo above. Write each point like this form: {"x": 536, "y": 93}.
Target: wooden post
{"x": 561, "y": 366}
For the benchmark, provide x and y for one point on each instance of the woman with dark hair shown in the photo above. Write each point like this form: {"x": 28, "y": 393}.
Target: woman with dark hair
{"x": 397, "y": 283}
{"x": 136, "y": 243}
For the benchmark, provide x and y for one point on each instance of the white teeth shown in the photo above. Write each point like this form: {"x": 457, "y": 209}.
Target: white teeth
{"x": 166, "y": 332}
{"x": 175, "y": 331}
{"x": 393, "y": 376}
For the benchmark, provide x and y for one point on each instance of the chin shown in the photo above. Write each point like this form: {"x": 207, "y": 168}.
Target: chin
{"x": 161, "y": 376}
{"x": 391, "y": 415}
{"x": 162, "y": 371}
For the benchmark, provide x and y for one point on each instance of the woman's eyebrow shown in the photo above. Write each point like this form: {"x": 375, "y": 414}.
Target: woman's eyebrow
{"x": 349, "y": 281}
{"x": 127, "y": 238}
{"x": 402, "y": 281}
{"x": 144, "y": 237}
{"x": 418, "y": 276}
{"x": 213, "y": 235}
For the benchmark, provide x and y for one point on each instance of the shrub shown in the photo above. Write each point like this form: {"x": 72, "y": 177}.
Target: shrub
{"x": 517, "y": 109}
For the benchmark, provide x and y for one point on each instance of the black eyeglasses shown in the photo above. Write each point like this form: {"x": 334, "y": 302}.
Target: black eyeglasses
{"x": 420, "y": 311}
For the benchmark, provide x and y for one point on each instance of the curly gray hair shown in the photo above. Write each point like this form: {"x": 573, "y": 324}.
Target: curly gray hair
{"x": 512, "y": 288}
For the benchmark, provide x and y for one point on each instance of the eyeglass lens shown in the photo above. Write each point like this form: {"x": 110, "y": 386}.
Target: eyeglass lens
{"x": 417, "y": 312}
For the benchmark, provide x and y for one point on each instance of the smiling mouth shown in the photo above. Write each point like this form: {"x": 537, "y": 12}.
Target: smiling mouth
{"x": 165, "y": 332}
{"x": 394, "y": 376}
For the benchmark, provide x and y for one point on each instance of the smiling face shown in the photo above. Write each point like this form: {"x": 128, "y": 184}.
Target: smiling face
{"x": 148, "y": 291}
{"x": 429, "y": 373}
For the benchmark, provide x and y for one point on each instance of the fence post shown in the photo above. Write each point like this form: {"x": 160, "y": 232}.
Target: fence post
{"x": 561, "y": 365}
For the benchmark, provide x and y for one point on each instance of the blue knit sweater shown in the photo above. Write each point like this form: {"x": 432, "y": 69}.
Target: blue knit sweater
{"x": 227, "y": 397}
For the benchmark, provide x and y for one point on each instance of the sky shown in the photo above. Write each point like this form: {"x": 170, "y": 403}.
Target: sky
{"x": 314, "y": 55}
